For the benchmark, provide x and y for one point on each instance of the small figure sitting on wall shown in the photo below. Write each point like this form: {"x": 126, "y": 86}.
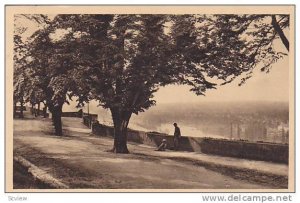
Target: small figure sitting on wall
{"x": 162, "y": 146}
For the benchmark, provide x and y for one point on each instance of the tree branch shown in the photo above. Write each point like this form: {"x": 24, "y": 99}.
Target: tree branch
{"x": 279, "y": 31}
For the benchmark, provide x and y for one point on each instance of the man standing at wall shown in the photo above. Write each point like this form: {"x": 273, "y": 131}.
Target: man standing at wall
{"x": 177, "y": 136}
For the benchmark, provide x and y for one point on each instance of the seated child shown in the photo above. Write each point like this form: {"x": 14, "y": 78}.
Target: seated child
{"x": 162, "y": 146}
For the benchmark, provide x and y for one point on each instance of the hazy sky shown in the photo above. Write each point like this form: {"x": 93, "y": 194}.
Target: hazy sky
{"x": 273, "y": 86}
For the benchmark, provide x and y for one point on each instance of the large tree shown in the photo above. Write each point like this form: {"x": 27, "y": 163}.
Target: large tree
{"x": 52, "y": 70}
{"x": 48, "y": 67}
{"x": 124, "y": 59}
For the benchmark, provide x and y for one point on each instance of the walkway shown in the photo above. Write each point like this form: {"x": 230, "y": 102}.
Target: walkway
{"x": 80, "y": 160}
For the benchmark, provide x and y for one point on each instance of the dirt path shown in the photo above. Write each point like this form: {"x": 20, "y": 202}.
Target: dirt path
{"x": 80, "y": 161}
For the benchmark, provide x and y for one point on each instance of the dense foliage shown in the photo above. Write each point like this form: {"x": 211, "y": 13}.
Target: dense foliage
{"x": 121, "y": 60}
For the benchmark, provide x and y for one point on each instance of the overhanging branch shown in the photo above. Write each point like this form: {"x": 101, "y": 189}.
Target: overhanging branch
{"x": 279, "y": 31}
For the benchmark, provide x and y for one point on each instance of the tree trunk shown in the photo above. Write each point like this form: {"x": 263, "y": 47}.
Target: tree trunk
{"x": 120, "y": 139}
{"x": 39, "y": 107}
{"x": 45, "y": 111}
{"x": 280, "y": 32}
{"x": 21, "y": 110}
{"x": 121, "y": 120}
{"x": 31, "y": 109}
{"x": 56, "y": 119}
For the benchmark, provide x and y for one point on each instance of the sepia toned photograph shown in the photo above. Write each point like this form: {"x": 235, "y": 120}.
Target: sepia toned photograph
{"x": 150, "y": 98}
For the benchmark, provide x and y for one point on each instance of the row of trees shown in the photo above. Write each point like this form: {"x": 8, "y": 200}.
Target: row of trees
{"x": 121, "y": 60}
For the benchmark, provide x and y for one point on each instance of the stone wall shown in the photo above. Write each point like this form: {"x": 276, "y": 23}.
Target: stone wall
{"x": 77, "y": 114}
{"x": 232, "y": 148}
{"x": 18, "y": 108}
{"x": 89, "y": 119}
{"x": 249, "y": 150}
